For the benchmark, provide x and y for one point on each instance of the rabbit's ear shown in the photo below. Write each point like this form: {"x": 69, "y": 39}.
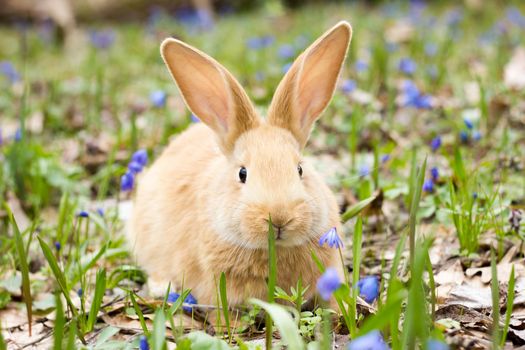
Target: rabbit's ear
{"x": 210, "y": 92}
{"x": 309, "y": 84}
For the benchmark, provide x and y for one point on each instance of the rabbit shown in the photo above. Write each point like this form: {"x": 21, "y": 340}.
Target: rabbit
{"x": 203, "y": 207}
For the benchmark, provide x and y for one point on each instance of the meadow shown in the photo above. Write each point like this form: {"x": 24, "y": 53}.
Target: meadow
{"x": 423, "y": 145}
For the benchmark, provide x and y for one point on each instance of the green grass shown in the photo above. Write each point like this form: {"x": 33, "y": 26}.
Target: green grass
{"x": 82, "y": 112}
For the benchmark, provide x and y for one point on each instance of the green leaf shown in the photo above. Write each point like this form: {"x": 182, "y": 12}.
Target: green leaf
{"x": 24, "y": 267}
{"x": 356, "y": 209}
{"x": 105, "y": 335}
{"x": 159, "y": 330}
{"x": 100, "y": 289}
{"x": 60, "y": 321}
{"x": 224, "y": 303}
{"x": 203, "y": 341}
{"x": 284, "y": 322}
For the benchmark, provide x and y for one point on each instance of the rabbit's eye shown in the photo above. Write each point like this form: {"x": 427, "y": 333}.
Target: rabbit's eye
{"x": 243, "y": 173}
{"x": 300, "y": 170}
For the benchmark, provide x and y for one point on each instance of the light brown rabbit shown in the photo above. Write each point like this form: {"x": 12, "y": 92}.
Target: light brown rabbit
{"x": 203, "y": 206}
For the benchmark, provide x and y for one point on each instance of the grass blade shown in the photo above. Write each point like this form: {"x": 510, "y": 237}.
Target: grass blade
{"x": 417, "y": 186}
{"x": 284, "y": 322}
{"x": 159, "y": 330}
{"x": 224, "y": 304}
{"x": 510, "y": 306}
{"x": 138, "y": 311}
{"x": 24, "y": 268}
{"x": 356, "y": 209}
{"x": 100, "y": 289}
{"x": 60, "y": 322}
{"x": 495, "y": 301}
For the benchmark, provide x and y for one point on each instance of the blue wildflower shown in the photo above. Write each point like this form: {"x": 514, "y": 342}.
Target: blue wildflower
{"x": 190, "y": 300}
{"x": 368, "y": 288}
{"x": 468, "y": 123}
{"x": 331, "y": 238}
{"x": 434, "y": 172}
{"x": 262, "y": 42}
{"x": 102, "y": 39}
{"x": 435, "y": 143}
{"x": 475, "y": 195}
{"x": 407, "y": 66}
{"x": 80, "y": 292}
{"x": 423, "y": 102}
{"x": 158, "y": 98}
{"x": 364, "y": 170}
{"x": 515, "y": 16}
{"x": 453, "y": 17}
{"x": 463, "y": 136}
{"x": 8, "y": 70}
{"x": 370, "y": 341}
{"x": 434, "y": 344}
{"x": 140, "y": 157}
{"x": 58, "y": 246}
{"x": 100, "y": 211}
{"x": 18, "y": 135}
{"x": 348, "y": 85}
{"x": 428, "y": 186}
{"x": 194, "y": 118}
{"x": 143, "y": 343}
{"x": 286, "y": 67}
{"x": 385, "y": 158}
{"x": 286, "y": 51}
{"x": 360, "y": 66}
{"x": 476, "y": 135}
{"x": 126, "y": 182}
{"x": 328, "y": 283}
{"x": 431, "y": 49}
{"x": 83, "y": 214}
{"x": 135, "y": 167}
{"x": 413, "y": 97}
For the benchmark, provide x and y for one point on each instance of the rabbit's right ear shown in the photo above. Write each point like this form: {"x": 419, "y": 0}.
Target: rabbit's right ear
{"x": 210, "y": 92}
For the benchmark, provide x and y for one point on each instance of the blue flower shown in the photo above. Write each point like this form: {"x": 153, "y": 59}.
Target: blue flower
{"x": 515, "y": 16}
{"x": 140, "y": 157}
{"x": 286, "y": 51}
{"x": 453, "y": 17}
{"x": 190, "y": 300}
{"x": 364, "y": 170}
{"x": 431, "y": 49}
{"x": 100, "y": 211}
{"x": 135, "y": 167}
{"x": 428, "y": 186}
{"x": 58, "y": 246}
{"x": 286, "y": 67}
{"x": 368, "y": 288}
{"x": 126, "y": 182}
{"x": 348, "y": 85}
{"x": 83, "y": 214}
{"x": 476, "y": 135}
{"x": 257, "y": 43}
{"x": 158, "y": 98}
{"x": 102, "y": 39}
{"x": 463, "y": 136}
{"x": 434, "y": 172}
{"x": 413, "y": 97}
{"x": 435, "y": 143}
{"x": 360, "y": 66}
{"x": 407, "y": 66}
{"x": 468, "y": 123}
{"x": 331, "y": 238}
{"x": 195, "y": 19}
{"x": 143, "y": 343}
{"x": 194, "y": 118}
{"x": 385, "y": 158}
{"x": 8, "y": 70}
{"x": 18, "y": 135}
{"x": 328, "y": 283}
{"x": 434, "y": 344}
{"x": 370, "y": 341}
{"x": 80, "y": 292}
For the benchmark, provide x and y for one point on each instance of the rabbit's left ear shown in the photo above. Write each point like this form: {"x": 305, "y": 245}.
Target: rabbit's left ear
{"x": 309, "y": 84}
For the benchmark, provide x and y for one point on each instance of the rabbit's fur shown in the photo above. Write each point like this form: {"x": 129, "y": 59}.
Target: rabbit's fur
{"x": 193, "y": 218}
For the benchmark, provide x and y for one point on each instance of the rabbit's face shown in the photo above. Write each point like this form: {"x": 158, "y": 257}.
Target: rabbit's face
{"x": 268, "y": 179}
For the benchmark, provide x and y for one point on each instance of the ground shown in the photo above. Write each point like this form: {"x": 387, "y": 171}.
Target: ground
{"x": 437, "y": 84}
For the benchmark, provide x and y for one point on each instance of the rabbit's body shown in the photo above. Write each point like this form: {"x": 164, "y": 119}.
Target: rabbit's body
{"x": 184, "y": 187}
{"x": 203, "y": 207}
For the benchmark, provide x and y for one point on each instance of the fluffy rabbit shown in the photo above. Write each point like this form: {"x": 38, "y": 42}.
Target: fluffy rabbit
{"x": 203, "y": 206}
